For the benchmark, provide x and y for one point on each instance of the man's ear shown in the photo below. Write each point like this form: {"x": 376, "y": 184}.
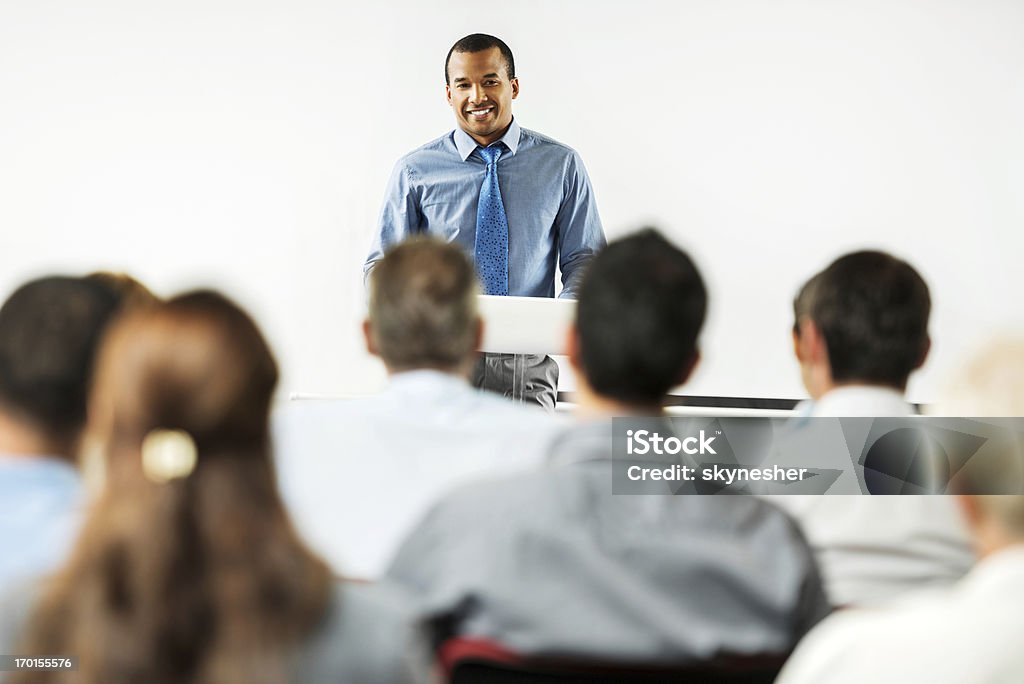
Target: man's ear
{"x": 448, "y": 94}
{"x": 809, "y": 342}
{"x": 371, "y": 346}
{"x": 572, "y": 349}
{"x": 515, "y": 87}
{"x": 927, "y": 347}
{"x": 688, "y": 368}
{"x": 478, "y": 334}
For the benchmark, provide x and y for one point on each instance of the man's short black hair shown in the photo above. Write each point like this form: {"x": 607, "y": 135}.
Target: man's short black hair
{"x": 872, "y": 310}
{"x": 641, "y": 306}
{"x": 49, "y": 331}
{"x": 478, "y": 42}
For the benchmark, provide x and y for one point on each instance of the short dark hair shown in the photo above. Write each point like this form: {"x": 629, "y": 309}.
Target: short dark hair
{"x": 478, "y": 42}
{"x": 423, "y": 310}
{"x": 641, "y": 306}
{"x": 49, "y": 331}
{"x": 872, "y": 310}
{"x": 130, "y": 290}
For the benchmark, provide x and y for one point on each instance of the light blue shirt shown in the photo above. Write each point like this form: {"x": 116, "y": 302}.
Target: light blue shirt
{"x": 358, "y": 474}
{"x": 552, "y": 215}
{"x": 40, "y": 511}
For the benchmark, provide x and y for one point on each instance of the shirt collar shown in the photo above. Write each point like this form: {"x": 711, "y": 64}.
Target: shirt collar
{"x": 1004, "y": 568}
{"x": 465, "y": 144}
{"x": 862, "y": 400}
{"x": 426, "y": 377}
{"x": 38, "y": 466}
{"x": 591, "y": 440}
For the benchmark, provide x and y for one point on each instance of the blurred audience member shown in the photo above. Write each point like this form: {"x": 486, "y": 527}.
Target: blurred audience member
{"x": 551, "y": 563}
{"x": 188, "y": 569}
{"x": 966, "y": 633}
{"x": 861, "y": 329}
{"x": 990, "y": 385}
{"x": 49, "y": 330}
{"x": 358, "y": 474}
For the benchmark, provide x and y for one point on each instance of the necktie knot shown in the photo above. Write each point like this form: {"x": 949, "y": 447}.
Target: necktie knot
{"x": 491, "y": 154}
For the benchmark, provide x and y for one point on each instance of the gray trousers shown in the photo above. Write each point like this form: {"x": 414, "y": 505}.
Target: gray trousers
{"x": 523, "y": 378}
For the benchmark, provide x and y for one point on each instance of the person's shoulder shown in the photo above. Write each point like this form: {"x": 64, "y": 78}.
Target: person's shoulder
{"x": 369, "y": 633}
{"x": 534, "y": 139}
{"x": 442, "y": 146}
{"x": 830, "y": 651}
{"x": 16, "y": 601}
{"x": 487, "y": 504}
{"x": 377, "y": 605}
{"x": 824, "y": 652}
{"x": 498, "y": 494}
{"x": 766, "y": 514}
{"x": 519, "y": 418}
{"x": 751, "y": 520}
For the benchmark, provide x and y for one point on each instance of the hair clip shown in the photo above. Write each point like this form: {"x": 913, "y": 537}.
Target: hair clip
{"x": 168, "y": 455}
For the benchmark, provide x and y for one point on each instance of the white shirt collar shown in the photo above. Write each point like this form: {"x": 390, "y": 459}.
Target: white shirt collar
{"x": 1002, "y": 568}
{"x": 465, "y": 144}
{"x": 421, "y": 378}
{"x": 862, "y": 400}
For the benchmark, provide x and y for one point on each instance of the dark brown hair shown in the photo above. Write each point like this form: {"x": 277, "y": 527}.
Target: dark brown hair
{"x": 201, "y": 578}
{"x": 50, "y": 329}
{"x": 132, "y": 292}
{"x": 873, "y": 310}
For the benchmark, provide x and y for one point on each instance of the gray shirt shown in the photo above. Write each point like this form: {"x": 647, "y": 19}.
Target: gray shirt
{"x": 550, "y": 563}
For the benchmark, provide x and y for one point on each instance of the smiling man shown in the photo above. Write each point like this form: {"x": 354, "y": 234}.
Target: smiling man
{"x": 517, "y": 202}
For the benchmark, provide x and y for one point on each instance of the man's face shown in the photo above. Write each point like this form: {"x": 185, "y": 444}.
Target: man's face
{"x": 481, "y": 94}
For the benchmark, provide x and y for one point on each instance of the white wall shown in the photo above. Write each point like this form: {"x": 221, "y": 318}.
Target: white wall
{"x": 246, "y": 145}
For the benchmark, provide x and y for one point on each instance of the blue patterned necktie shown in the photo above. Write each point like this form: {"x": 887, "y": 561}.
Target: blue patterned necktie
{"x": 491, "y": 247}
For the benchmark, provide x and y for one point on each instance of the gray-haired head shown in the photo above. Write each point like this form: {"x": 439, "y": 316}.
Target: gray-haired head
{"x": 423, "y": 309}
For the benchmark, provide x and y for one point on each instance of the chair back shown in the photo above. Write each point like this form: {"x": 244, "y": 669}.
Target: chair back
{"x": 477, "y": 661}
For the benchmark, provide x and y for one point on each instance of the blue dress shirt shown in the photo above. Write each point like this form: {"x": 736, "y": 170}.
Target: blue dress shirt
{"x": 552, "y": 215}
{"x": 41, "y": 501}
